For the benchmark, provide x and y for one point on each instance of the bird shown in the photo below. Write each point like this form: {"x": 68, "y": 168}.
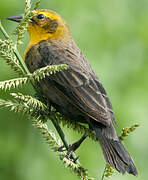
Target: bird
{"x": 76, "y": 93}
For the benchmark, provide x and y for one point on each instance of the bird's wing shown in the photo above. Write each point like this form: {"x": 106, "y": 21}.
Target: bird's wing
{"x": 78, "y": 83}
{"x": 85, "y": 93}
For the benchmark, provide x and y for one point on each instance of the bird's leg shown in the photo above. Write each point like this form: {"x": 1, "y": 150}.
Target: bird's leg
{"x": 73, "y": 147}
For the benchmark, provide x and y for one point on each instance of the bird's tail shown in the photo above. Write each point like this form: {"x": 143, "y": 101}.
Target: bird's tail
{"x": 114, "y": 152}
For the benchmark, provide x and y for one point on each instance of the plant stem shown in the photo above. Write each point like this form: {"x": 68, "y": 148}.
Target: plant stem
{"x": 64, "y": 140}
{"x": 103, "y": 175}
{"x": 62, "y": 135}
{"x": 3, "y": 31}
{"x": 21, "y": 61}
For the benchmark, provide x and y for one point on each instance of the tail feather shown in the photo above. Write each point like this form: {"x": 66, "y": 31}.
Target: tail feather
{"x": 114, "y": 152}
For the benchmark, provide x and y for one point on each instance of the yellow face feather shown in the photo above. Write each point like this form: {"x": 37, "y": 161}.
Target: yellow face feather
{"x": 47, "y": 25}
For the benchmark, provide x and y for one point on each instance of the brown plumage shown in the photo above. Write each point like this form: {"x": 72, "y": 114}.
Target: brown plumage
{"x": 77, "y": 92}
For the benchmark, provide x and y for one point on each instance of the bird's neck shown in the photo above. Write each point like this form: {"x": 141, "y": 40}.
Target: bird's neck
{"x": 38, "y": 34}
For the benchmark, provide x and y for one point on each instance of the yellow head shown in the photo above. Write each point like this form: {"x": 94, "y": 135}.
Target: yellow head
{"x": 47, "y": 24}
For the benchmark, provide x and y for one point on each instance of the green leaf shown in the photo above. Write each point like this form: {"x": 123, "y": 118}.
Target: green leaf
{"x": 18, "y": 107}
{"x": 37, "y": 75}
{"x": 6, "y": 52}
{"x": 13, "y": 83}
{"x": 30, "y": 101}
{"x": 37, "y": 4}
{"x": 41, "y": 73}
{"x": 127, "y": 131}
{"x": 22, "y": 26}
{"x": 76, "y": 168}
{"x": 49, "y": 135}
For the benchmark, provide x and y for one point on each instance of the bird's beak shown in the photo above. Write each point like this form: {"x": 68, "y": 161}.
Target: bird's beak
{"x": 17, "y": 18}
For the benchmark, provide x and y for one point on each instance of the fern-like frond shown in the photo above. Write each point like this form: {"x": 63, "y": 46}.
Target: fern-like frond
{"x": 37, "y": 75}
{"x": 127, "y": 131}
{"x": 77, "y": 169}
{"x": 13, "y": 83}
{"x": 22, "y": 26}
{"x": 30, "y": 101}
{"x": 49, "y": 136}
{"x": 37, "y": 4}
{"x": 6, "y": 52}
{"x": 108, "y": 171}
{"x": 19, "y": 107}
{"x": 41, "y": 73}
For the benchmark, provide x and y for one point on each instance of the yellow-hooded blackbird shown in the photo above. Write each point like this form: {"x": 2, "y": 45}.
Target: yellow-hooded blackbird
{"x": 76, "y": 92}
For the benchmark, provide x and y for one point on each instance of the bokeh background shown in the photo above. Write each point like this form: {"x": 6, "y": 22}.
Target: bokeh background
{"x": 114, "y": 36}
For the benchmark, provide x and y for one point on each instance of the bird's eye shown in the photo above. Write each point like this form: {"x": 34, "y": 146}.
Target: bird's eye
{"x": 41, "y": 16}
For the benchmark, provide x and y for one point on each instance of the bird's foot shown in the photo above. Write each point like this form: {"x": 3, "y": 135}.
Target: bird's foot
{"x": 73, "y": 147}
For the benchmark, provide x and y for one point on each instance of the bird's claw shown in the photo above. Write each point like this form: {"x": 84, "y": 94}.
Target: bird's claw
{"x": 62, "y": 148}
{"x": 72, "y": 148}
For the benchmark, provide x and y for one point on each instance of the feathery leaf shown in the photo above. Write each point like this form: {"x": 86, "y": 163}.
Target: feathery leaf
{"x": 22, "y": 26}
{"x": 30, "y": 101}
{"x": 18, "y": 107}
{"x": 49, "y": 136}
{"x": 37, "y": 4}
{"x": 13, "y": 83}
{"x": 108, "y": 171}
{"x": 41, "y": 73}
{"x": 127, "y": 131}
{"x": 78, "y": 169}
{"x": 37, "y": 122}
{"x": 37, "y": 75}
{"x": 6, "y": 52}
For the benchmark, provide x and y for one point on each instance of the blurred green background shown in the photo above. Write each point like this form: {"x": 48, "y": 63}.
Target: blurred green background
{"x": 114, "y": 36}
